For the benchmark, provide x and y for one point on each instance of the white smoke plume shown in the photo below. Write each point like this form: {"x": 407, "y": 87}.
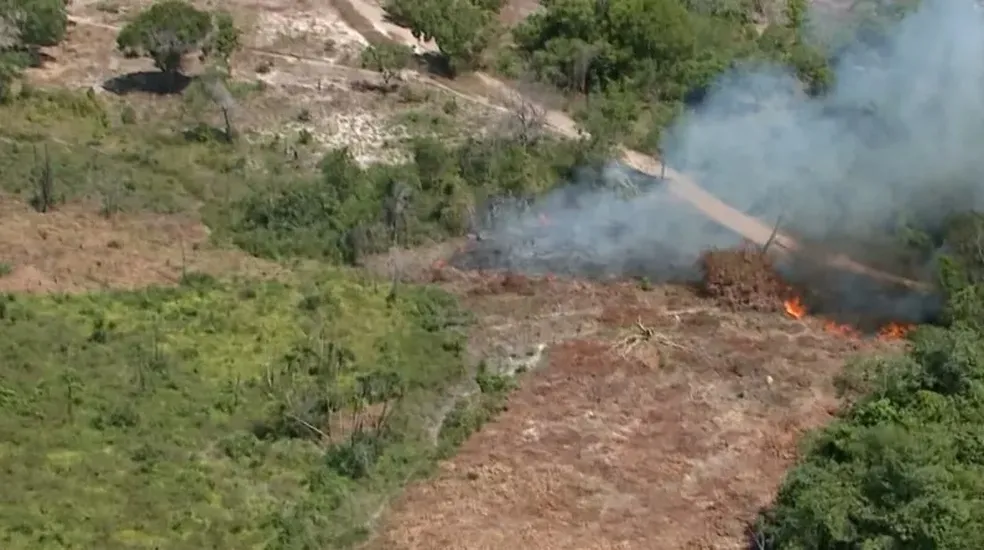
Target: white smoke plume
{"x": 899, "y": 138}
{"x": 901, "y": 131}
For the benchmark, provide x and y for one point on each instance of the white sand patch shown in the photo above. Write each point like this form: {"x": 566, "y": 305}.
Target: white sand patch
{"x": 322, "y": 26}
{"x": 368, "y": 136}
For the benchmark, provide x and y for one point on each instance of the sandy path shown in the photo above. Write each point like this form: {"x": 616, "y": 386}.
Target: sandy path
{"x": 677, "y": 183}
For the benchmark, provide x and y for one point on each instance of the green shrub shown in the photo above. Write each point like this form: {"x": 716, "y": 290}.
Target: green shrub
{"x": 386, "y": 59}
{"x": 350, "y": 211}
{"x": 462, "y": 29}
{"x": 903, "y": 466}
{"x": 178, "y": 415}
{"x": 170, "y": 29}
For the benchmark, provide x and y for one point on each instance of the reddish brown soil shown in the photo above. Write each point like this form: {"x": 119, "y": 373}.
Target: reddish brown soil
{"x": 75, "y": 249}
{"x": 662, "y": 420}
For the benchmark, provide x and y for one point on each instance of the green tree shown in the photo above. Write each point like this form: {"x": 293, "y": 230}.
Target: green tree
{"x": 462, "y": 29}
{"x": 903, "y": 467}
{"x": 740, "y": 11}
{"x": 37, "y": 22}
{"x": 568, "y": 45}
{"x": 171, "y": 29}
{"x": 386, "y": 59}
{"x": 25, "y": 26}
{"x": 663, "y": 52}
{"x": 609, "y": 117}
{"x": 796, "y": 12}
{"x": 226, "y": 39}
{"x": 577, "y": 42}
{"x": 783, "y": 43}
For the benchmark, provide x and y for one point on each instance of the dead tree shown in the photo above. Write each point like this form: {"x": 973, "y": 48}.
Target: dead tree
{"x": 219, "y": 93}
{"x": 528, "y": 121}
{"x": 397, "y": 212}
{"x": 772, "y": 237}
{"x": 581, "y": 70}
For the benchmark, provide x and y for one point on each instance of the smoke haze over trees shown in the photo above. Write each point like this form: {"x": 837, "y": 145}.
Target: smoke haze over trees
{"x": 874, "y": 165}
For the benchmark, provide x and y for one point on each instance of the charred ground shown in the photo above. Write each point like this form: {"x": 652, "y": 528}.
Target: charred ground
{"x": 650, "y": 238}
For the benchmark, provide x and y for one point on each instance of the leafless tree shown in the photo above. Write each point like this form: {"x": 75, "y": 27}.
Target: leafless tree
{"x": 528, "y": 120}
{"x": 44, "y": 195}
{"x": 219, "y": 93}
{"x": 581, "y": 69}
{"x": 397, "y": 209}
{"x": 772, "y": 236}
{"x": 758, "y": 540}
{"x": 528, "y": 117}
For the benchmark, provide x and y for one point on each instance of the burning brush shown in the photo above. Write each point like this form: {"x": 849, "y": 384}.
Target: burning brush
{"x": 891, "y": 331}
{"x": 584, "y": 233}
{"x": 746, "y": 279}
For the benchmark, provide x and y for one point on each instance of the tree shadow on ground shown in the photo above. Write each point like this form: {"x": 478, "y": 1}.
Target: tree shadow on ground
{"x": 434, "y": 63}
{"x": 149, "y": 82}
{"x": 394, "y": 20}
{"x": 38, "y": 59}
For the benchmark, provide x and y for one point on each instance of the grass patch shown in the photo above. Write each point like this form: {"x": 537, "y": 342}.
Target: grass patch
{"x": 424, "y": 121}
{"x": 255, "y": 196}
{"x": 217, "y": 414}
{"x": 235, "y": 414}
{"x": 99, "y": 151}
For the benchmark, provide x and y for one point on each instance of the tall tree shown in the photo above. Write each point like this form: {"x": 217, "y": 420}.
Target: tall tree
{"x": 462, "y": 29}
{"x": 171, "y": 29}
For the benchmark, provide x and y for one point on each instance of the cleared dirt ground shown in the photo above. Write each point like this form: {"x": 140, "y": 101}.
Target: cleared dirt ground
{"x": 75, "y": 249}
{"x": 660, "y": 420}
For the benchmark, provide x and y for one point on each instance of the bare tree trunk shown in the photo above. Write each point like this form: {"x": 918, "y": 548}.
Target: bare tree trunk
{"x": 772, "y": 237}
{"x": 228, "y": 124}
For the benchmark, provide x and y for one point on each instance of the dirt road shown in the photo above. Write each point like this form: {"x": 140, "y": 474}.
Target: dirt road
{"x": 373, "y": 17}
{"x": 368, "y": 18}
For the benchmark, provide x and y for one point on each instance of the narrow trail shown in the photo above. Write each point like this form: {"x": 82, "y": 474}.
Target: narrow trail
{"x": 680, "y": 185}
{"x": 372, "y": 20}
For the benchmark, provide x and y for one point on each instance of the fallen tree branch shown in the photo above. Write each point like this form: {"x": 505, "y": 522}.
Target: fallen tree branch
{"x": 308, "y": 425}
{"x": 642, "y": 335}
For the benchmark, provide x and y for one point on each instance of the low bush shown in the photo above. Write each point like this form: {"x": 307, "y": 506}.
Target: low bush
{"x": 903, "y": 465}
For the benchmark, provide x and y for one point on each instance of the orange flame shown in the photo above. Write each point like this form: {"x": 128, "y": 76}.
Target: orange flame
{"x": 894, "y": 331}
{"x": 795, "y": 308}
{"x": 440, "y": 263}
{"x": 843, "y": 330}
